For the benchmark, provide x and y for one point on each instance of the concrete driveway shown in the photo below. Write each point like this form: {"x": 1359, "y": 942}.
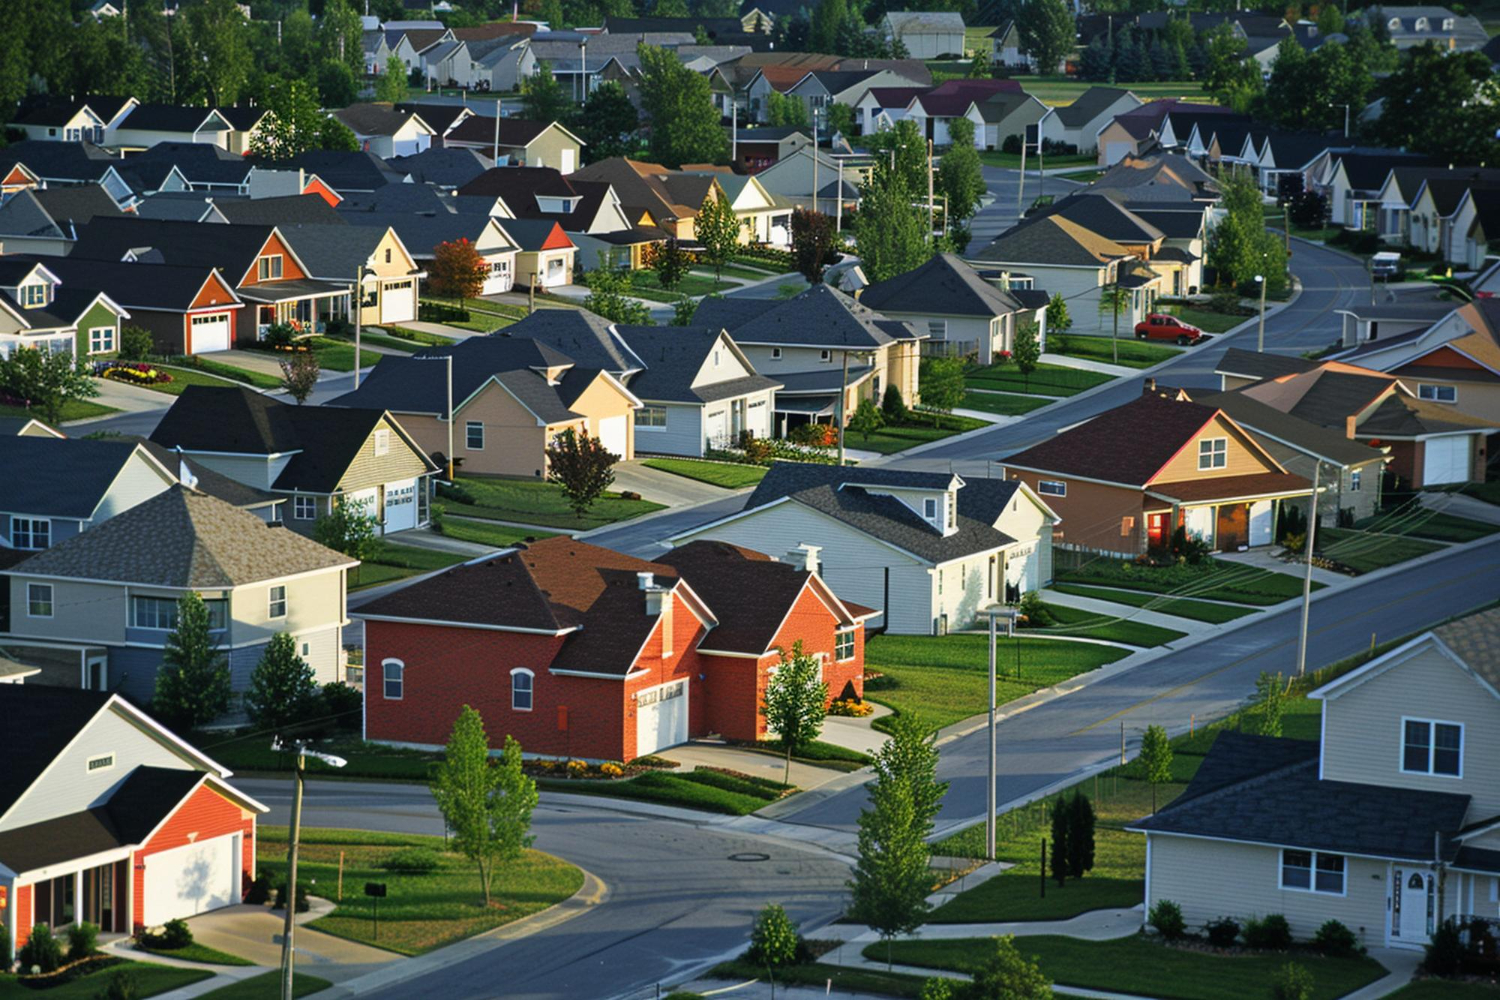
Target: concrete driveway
{"x": 664, "y": 487}
{"x": 254, "y": 933}
{"x": 762, "y": 765}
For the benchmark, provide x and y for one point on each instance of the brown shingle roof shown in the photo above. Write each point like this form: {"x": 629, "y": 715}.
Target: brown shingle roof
{"x": 1224, "y": 488}
{"x": 751, "y": 595}
{"x": 1476, "y": 640}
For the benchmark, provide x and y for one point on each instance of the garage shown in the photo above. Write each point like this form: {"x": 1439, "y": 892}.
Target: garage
{"x": 661, "y": 717}
{"x": 400, "y": 506}
{"x": 1021, "y": 569}
{"x": 1445, "y": 460}
{"x": 193, "y": 879}
{"x": 210, "y": 332}
{"x": 1260, "y": 523}
{"x": 612, "y": 435}
{"x": 716, "y": 428}
{"x": 399, "y": 302}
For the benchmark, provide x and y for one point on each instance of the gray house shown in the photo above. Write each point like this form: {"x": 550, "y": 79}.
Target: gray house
{"x": 962, "y": 313}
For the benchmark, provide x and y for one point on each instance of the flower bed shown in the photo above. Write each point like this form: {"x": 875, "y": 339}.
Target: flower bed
{"x": 851, "y": 708}
{"x": 131, "y": 372}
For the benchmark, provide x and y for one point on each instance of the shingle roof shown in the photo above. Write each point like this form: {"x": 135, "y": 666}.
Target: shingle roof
{"x": 1253, "y": 364}
{"x": 408, "y": 199}
{"x": 199, "y": 162}
{"x": 145, "y": 286}
{"x": 72, "y": 207}
{"x": 72, "y": 161}
{"x": 215, "y": 484}
{"x": 1101, "y": 215}
{"x": 53, "y": 717}
{"x": 196, "y": 541}
{"x": 514, "y": 132}
{"x": 420, "y": 234}
{"x": 921, "y": 21}
{"x": 167, "y": 118}
{"x": 820, "y": 317}
{"x": 944, "y": 284}
{"x": 295, "y": 209}
{"x": 1089, "y": 105}
{"x": 441, "y": 165}
{"x": 673, "y": 357}
{"x": 1052, "y": 240}
{"x": 750, "y": 594}
{"x": 1404, "y": 416}
{"x": 232, "y": 249}
{"x": 1476, "y": 640}
{"x": 336, "y": 252}
{"x": 578, "y": 334}
{"x": 340, "y": 169}
{"x": 374, "y": 119}
{"x": 1295, "y": 432}
{"x": 66, "y": 478}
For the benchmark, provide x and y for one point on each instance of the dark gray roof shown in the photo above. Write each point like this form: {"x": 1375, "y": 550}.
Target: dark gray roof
{"x": 1173, "y": 225}
{"x": 422, "y": 233}
{"x": 232, "y": 249}
{"x": 72, "y": 161}
{"x": 144, "y": 286}
{"x": 341, "y": 170}
{"x": 1089, "y": 105}
{"x": 373, "y": 119}
{"x": 443, "y": 166}
{"x": 578, "y": 334}
{"x": 945, "y": 284}
{"x": 1253, "y": 364}
{"x": 215, "y": 484}
{"x": 674, "y": 356}
{"x": 1295, "y": 432}
{"x": 168, "y": 118}
{"x": 820, "y": 317}
{"x": 295, "y": 209}
{"x": 1257, "y": 789}
{"x": 54, "y": 716}
{"x": 65, "y": 477}
{"x": 179, "y": 206}
{"x": 408, "y": 198}
{"x": 199, "y": 162}
{"x": 333, "y": 253}
{"x": 1101, "y": 214}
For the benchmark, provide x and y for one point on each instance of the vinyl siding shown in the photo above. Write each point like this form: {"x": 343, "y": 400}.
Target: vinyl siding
{"x": 1241, "y": 458}
{"x": 252, "y": 470}
{"x": 313, "y": 603}
{"x": 132, "y": 672}
{"x": 81, "y": 612}
{"x": 1025, "y": 522}
{"x": 368, "y": 469}
{"x": 546, "y": 150}
{"x": 139, "y": 480}
{"x": 601, "y": 400}
{"x": 322, "y": 656}
{"x": 683, "y": 434}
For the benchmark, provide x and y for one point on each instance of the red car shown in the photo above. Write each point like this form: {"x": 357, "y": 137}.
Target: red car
{"x": 1159, "y": 326}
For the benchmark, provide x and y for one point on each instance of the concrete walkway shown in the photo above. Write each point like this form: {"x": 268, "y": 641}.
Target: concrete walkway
{"x": 126, "y": 398}
{"x": 443, "y": 329}
{"x": 1089, "y": 365}
{"x": 1461, "y": 506}
{"x": 1265, "y": 558}
{"x": 426, "y": 538}
{"x": 254, "y": 933}
{"x": 1400, "y": 963}
{"x": 855, "y": 734}
{"x": 1129, "y": 613}
{"x": 705, "y": 753}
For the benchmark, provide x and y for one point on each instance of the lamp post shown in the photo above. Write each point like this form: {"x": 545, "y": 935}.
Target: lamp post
{"x": 1312, "y": 535}
{"x": 1334, "y": 104}
{"x": 1009, "y": 614}
{"x": 359, "y": 309}
{"x": 1260, "y": 337}
{"x": 448, "y": 360}
{"x": 289, "y": 897}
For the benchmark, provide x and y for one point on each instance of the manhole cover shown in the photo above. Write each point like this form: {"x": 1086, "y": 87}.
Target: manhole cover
{"x": 750, "y": 856}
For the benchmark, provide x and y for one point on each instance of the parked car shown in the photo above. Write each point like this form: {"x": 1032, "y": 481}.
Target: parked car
{"x": 1160, "y": 326}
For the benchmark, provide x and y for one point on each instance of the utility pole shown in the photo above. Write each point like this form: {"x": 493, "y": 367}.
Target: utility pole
{"x": 1114, "y": 338}
{"x": 495, "y": 153}
{"x": 1312, "y": 536}
{"x": 734, "y": 127}
{"x": 1260, "y": 337}
{"x": 289, "y": 897}
{"x": 931, "y": 205}
{"x": 843, "y": 394}
{"x": 1021, "y": 187}
{"x": 450, "y": 418}
{"x": 989, "y": 789}
{"x": 839, "y": 225}
{"x": 358, "y": 295}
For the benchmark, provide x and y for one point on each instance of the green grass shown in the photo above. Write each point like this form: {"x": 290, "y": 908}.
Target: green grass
{"x": 766, "y": 268}
{"x": 1364, "y": 551}
{"x": 1004, "y": 403}
{"x": 1431, "y": 524}
{"x": 1488, "y": 492}
{"x": 419, "y": 338}
{"x": 252, "y": 752}
{"x": 893, "y": 438}
{"x": 149, "y": 977}
{"x": 1065, "y": 90}
{"x": 420, "y": 911}
{"x": 338, "y": 355}
{"x": 691, "y": 284}
{"x": 267, "y": 986}
{"x": 530, "y": 502}
{"x": 1202, "y": 611}
{"x": 1206, "y": 319}
{"x": 724, "y": 474}
{"x": 184, "y": 377}
{"x": 995, "y": 158}
{"x": 817, "y": 753}
{"x": 1213, "y": 580}
{"x": 943, "y": 678}
{"x": 196, "y": 952}
{"x": 1093, "y": 625}
{"x": 1444, "y": 989}
{"x": 234, "y": 373}
{"x": 1144, "y": 967}
{"x": 1046, "y": 380}
{"x": 737, "y": 271}
{"x": 815, "y": 974}
{"x": 73, "y": 409}
{"x": 1124, "y": 350}
{"x": 397, "y": 562}
{"x": 484, "y": 316}
{"x": 501, "y": 536}
{"x": 705, "y": 790}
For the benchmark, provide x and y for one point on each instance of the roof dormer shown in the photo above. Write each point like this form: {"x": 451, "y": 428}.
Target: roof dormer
{"x": 1394, "y": 24}
{"x": 1423, "y": 24}
{"x": 557, "y": 203}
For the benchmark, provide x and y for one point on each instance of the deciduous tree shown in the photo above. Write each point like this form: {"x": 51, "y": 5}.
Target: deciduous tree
{"x": 941, "y": 382}
{"x": 283, "y": 690}
{"x": 960, "y": 178}
{"x": 581, "y": 465}
{"x": 296, "y": 123}
{"x": 866, "y": 419}
{"x": 457, "y": 270}
{"x": 1006, "y": 974}
{"x": 841, "y": 119}
{"x": 1156, "y": 758}
{"x": 607, "y": 123}
{"x": 718, "y": 229}
{"x": 795, "y": 702}
{"x": 608, "y": 289}
{"x": 812, "y": 241}
{"x": 47, "y": 381}
{"x": 890, "y": 231}
{"x": 1048, "y": 32}
{"x": 349, "y": 528}
{"x": 1026, "y": 350}
{"x": 392, "y": 87}
{"x": 685, "y": 125}
{"x": 216, "y": 44}
{"x": 783, "y": 111}
{"x": 670, "y": 262}
{"x": 192, "y": 686}
{"x": 1445, "y": 104}
{"x": 543, "y": 98}
{"x": 299, "y": 375}
{"x": 1270, "y": 702}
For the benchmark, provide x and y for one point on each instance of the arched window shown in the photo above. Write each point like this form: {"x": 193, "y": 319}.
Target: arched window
{"x": 394, "y": 674}
{"x": 521, "y": 681}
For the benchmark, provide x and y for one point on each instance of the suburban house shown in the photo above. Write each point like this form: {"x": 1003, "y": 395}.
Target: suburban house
{"x": 1079, "y": 124}
{"x": 107, "y": 817}
{"x": 964, "y": 315}
{"x": 820, "y": 345}
{"x": 1392, "y": 322}
{"x": 145, "y": 125}
{"x": 1000, "y": 116}
{"x": 39, "y": 310}
{"x": 765, "y": 217}
{"x": 245, "y": 124}
{"x": 389, "y": 279}
{"x": 654, "y": 196}
{"x": 385, "y": 131}
{"x": 343, "y": 171}
{"x": 1125, "y": 480}
{"x": 597, "y": 655}
{"x": 282, "y": 210}
{"x": 882, "y": 107}
{"x": 518, "y": 142}
{"x": 926, "y": 34}
{"x": 95, "y": 611}
{"x": 420, "y": 235}
{"x": 201, "y": 166}
{"x": 314, "y": 455}
{"x": 34, "y": 163}
{"x": 512, "y": 397}
{"x": 933, "y": 108}
{"x": 755, "y": 149}
{"x": 1411, "y": 26}
{"x": 792, "y": 180}
{"x": 697, "y": 389}
{"x": 48, "y": 220}
{"x": 76, "y": 120}
{"x": 545, "y": 256}
{"x": 28, "y": 427}
{"x": 929, "y": 550}
{"x": 1353, "y": 182}
{"x": 1398, "y": 764}
{"x": 71, "y": 485}
{"x": 443, "y": 168}
{"x": 579, "y": 206}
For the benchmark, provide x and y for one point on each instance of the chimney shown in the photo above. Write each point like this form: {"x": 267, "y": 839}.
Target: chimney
{"x": 1150, "y": 387}
{"x": 646, "y": 580}
{"x": 1349, "y": 427}
{"x": 805, "y": 557}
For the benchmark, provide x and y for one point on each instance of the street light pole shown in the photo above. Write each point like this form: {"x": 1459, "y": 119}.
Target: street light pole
{"x": 1009, "y": 615}
{"x": 289, "y": 897}
{"x": 359, "y": 310}
{"x": 1260, "y": 337}
{"x": 1312, "y": 535}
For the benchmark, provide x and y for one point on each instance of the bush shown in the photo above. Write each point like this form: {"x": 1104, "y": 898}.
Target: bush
{"x": 1226, "y": 302}
{"x": 280, "y": 899}
{"x": 177, "y": 934}
{"x": 83, "y": 940}
{"x": 1166, "y": 917}
{"x": 1037, "y": 615}
{"x": 122, "y": 986}
{"x": 455, "y": 492}
{"x": 1269, "y": 933}
{"x": 774, "y": 939}
{"x": 892, "y": 406}
{"x": 1445, "y": 952}
{"x": 41, "y": 950}
{"x": 4, "y": 948}
{"x": 278, "y": 336}
{"x": 343, "y": 704}
{"x": 135, "y": 343}
{"x": 851, "y": 708}
{"x": 259, "y": 892}
{"x": 417, "y": 860}
{"x": 1222, "y": 932}
{"x": 1334, "y": 939}
{"x": 1292, "y": 982}
{"x": 1011, "y": 144}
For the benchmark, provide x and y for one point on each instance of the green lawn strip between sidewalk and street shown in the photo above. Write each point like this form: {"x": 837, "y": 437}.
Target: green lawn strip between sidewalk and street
{"x": 1214, "y": 580}
{"x": 710, "y": 791}
{"x": 1444, "y": 989}
{"x": 413, "y": 339}
{"x": 921, "y": 429}
{"x": 150, "y": 979}
{"x": 728, "y": 475}
{"x": 943, "y": 678}
{"x": 252, "y": 753}
{"x": 1004, "y": 403}
{"x": 1203, "y": 611}
{"x": 1206, "y": 319}
{"x": 537, "y": 503}
{"x": 1046, "y": 380}
{"x": 1083, "y": 624}
{"x": 234, "y": 373}
{"x": 267, "y": 986}
{"x": 501, "y": 536}
{"x": 1131, "y": 353}
{"x": 422, "y": 910}
{"x": 817, "y": 753}
{"x": 196, "y": 952}
{"x": 1434, "y": 525}
{"x": 1144, "y": 967}
{"x": 1364, "y": 551}
{"x": 390, "y": 561}
{"x": 817, "y": 974}
{"x": 1012, "y": 161}
{"x": 73, "y": 409}
{"x": 740, "y": 271}
{"x": 1488, "y": 492}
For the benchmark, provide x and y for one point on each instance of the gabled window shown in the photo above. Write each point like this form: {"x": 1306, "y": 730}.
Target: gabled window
{"x": 393, "y": 677}
{"x": 382, "y": 442}
{"x": 268, "y": 268}
{"x": 1429, "y": 747}
{"x": 34, "y": 295}
{"x": 521, "y": 681}
{"x": 39, "y": 600}
{"x": 31, "y": 533}
{"x": 1213, "y": 453}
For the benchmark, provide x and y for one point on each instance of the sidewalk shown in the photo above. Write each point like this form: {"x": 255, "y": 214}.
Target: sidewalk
{"x": 1262, "y": 558}
{"x": 1125, "y": 611}
{"x": 1461, "y": 506}
{"x": 1088, "y": 364}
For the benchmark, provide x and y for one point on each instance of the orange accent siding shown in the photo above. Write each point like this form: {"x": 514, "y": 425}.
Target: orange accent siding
{"x": 328, "y": 194}
{"x": 289, "y": 269}
{"x": 204, "y": 815}
{"x": 213, "y": 293}
{"x": 24, "y": 918}
{"x": 1445, "y": 357}
{"x": 1241, "y": 456}
{"x": 557, "y": 239}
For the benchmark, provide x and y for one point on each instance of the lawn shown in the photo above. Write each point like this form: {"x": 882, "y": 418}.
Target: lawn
{"x": 150, "y": 979}
{"x": 852, "y": 982}
{"x": 1004, "y": 403}
{"x": 397, "y": 562}
{"x": 1206, "y": 319}
{"x": 392, "y": 343}
{"x": 1046, "y": 380}
{"x": 232, "y": 372}
{"x": 338, "y": 355}
{"x": 738, "y": 271}
{"x": 1093, "y": 625}
{"x": 1488, "y": 492}
{"x": 1364, "y": 551}
{"x": 1145, "y": 967}
{"x": 943, "y": 678}
{"x": 501, "y": 536}
{"x": 692, "y": 285}
{"x": 529, "y": 502}
{"x": 73, "y": 409}
{"x": 196, "y": 952}
{"x": 1444, "y": 989}
{"x": 899, "y": 437}
{"x": 709, "y": 791}
{"x": 252, "y": 752}
{"x": 728, "y": 475}
{"x": 267, "y": 986}
{"x": 418, "y": 338}
{"x": 421, "y": 910}
{"x": 1424, "y": 523}
{"x": 184, "y": 377}
{"x": 1122, "y": 350}
{"x": 1214, "y": 580}
{"x": 995, "y": 158}
{"x": 1065, "y": 90}
{"x": 1203, "y": 611}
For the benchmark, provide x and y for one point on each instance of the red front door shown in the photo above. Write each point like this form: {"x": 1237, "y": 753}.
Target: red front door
{"x": 1156, "y": 529}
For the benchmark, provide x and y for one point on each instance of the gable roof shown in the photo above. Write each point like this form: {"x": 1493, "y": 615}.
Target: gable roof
{"x": 583, "y": 336}
{"x": 1089, "y": 105}
{"x": 198, "y": 162}
{"x": 1052, "y": 239}
{"x": 445, "y": 166}
{"x": 342, "y": 169}
{"x": 514, "y": 132}
{"x": 649, "y": 187}
{"x": 54, "y": 716}
{"x": 1238, "y": 362}
{"x": 952, "y": 98}
{"x": 944, "y": 284}
{"x": 1101, "y": 215}
{"x": 377, "y": 119}
{"x": 66, "y": 478}
{"x": 924, "y": 22}
{"x": 334, "y": 253}
{"x": 421, "y": 234}
{"x": 206, "y": 480}
{"x": 1475, "y": 639}
{"x": 1304, "y": 435}
{"x": 71, "y": 161}
{"x": 819, "y": 317}
{"x": 233, "y": 249}
{"x": 675, "y": 355}
{"x": 287, "y": 210}
{"x": 172, "y": 118}
{"x": 136, "y": 285}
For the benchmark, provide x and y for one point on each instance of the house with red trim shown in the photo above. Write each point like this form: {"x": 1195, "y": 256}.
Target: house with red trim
{"x": 581, "y": 651}
{"x": 107, "y": 816}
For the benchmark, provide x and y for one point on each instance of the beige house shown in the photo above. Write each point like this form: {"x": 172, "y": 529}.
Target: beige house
{"x": 1387, "y": 823}
{"x": 389, "y": 279}
{"x": 963, "y": 314}
{"x": 764, "y": 217}
{"x": 516, "y": 142}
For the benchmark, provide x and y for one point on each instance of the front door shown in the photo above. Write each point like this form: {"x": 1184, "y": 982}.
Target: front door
{"x": 1156, "y": 529}
{"x": 1411, "y": 907}
{"x": 1234, "y": 526}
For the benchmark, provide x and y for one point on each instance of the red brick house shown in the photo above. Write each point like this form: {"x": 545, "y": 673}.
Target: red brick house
{"x": 580, "y": 651}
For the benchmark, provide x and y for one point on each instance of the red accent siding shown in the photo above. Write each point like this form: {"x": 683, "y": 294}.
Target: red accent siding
{"x": 23, "y": 915}
{"x": 557, "y": 239}
{"x": 328, "y": 194}
{"x": 1444, "y": 357}
{"x": 289, "y": 269}
{"x": 202, "y": 816}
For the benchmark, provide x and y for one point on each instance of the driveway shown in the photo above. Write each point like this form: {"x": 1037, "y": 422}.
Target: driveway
{"x": 664, "y": 487}
{"x": 254, "y": 934}
{"x": 761, "y": 765}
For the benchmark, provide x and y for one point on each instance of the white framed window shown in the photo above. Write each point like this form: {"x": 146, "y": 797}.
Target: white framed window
{"x": 39, "y": 600}
{"x": 268, "y": 268}
{"x": 277, "y": 602}
{"x": 929, "y": 508}
{"x": 775, "y": 354}
{"x": 522, "y": 682}
{"x": 31, "y": 533}
{"x": 474, "y": 435}
{"x": 651, "y": 418}
{"x": 101, "y": 339}
{"x": 1432, "y": 747}
{"x": 1213, "y": 453}
{"x": 99, "y": 762}
{"x": 33, "y": 295}
{"x": 825, "y": 355}
{"x": 382, "y": 442}
{"x": 387, "y": 255}
{"x": 160, "y": 613}
{"x": 1437, "y": 393}
{"x": 1052, "y": 487}
{"x": 1312, "y": 871}
{"x": 500, "y": 267}
{"x": 304, "y": 508}
{"x": 843, "y": 644}
{"x": 393, "y": 679}
{"x": 937, "y": 329}
{"x": 1355, "y": 479}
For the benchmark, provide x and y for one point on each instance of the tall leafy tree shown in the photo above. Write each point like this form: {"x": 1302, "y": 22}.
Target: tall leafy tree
{"x": 297, "y": 122}
{"x": 960, "y": 177}
{"x": 1444, "y": 104}
{"x": 1048, "y": 32}
{"x": 393, "y": 85}
{"x": 192, "y": 685}
{"x": 941, "y": 382}
{"x": 1240, "y": 247}
{"x": 827, "y": 21}
{"x": 608, "y": 296}
{"x": 784, "y": 111}
{"x": 283, "y": 690}
{"x": 217, "y": 51}
{"x": 608, "y": 123}
{"x": 670, "y": 262}
{"x": 812, "y": 239}
{"x": 457, "y": 270}
{"x": 46, "y": 381}
{"x": 581, "y": 465}
{"x": 337, "y": 87}
{"x": 348, "y": 528}
{"x": 341, "y": 35}
{"x": 902, "y": 150}
{"x": 543, "y": 98}
{"x": 685, "y": 125}
{"x": 795, "y": 702}
{"x": 1232, "y": 79}
{"x": 840, "y": 119}
{"x": 891, "y": 229}
{"x": 718, "y": 229}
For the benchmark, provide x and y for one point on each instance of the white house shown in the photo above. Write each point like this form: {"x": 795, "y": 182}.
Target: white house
{"x": 926, "y": 34}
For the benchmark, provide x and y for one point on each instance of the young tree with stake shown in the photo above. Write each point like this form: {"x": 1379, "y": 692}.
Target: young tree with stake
{"x": 1026, "y": 350}
{"x": 582, "y": 467}
{"x": 299, "y": 375}
{"x": 1156, "y": 757}
{"x": 718, "y": 229}
{"x": 795, "y": 702}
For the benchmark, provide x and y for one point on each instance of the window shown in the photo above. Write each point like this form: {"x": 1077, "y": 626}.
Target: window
{"x": 1213, "y": 453}
{"x": 520, "y": 689}
{"x": 99, "y": 762}
{"x": 1312, "y": 871}
{"x": 39, "y": 600}
{"x": 667, "y": 629}
{"x": 101, "y": 339}
{"x": 1052, "y": 487}
{"x": 500, "y": 267}
{"x": 161, "y": 613}
{"x": 825, "y": 355}
{"x": 843, "y": 644}
{"x": 304, "y": 508}
{"x": 30, "y": 533}
{"x": 1432, "y": 747}
{"x": 387, "y": 255}
{"x": 474, "y": 435}
{"x": 33, "y": 295}
{"x": 278, "y": 602}
{"x": 940, "y": 575}
{"x": 775, "y": 354}
{"x": 1354, "y": 480}
{"x": 651, "y": 418}
{"x": 393, "y": 674}
{"x": 268, "y": 268}
{"x": 382, "y": 442}
{"x": 937, "y": 329}
{"x": 929, "y": 508}
{"x": 1438, "y": 393}
{"x": 952, "y": 508}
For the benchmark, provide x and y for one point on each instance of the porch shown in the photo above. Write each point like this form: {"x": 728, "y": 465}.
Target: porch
{"x": 304, "y": 304}
{"x": 1229, "y": 513}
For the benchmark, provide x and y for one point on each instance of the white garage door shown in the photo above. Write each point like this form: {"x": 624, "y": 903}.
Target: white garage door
{"x": 612, "y": 435}
{"x": 210, "y": 333}
{"x": 1260, "y": 523}
{"x": 661, "y": 718}
{"x": 1199, "y": 523}
{"x": 1021, "y": 567}
{"x": 186, "y": 881}
{"x": 1114, "y": 152}
{"x": 398, "y": 302}
{"x": 400, "y": 505}
{"x": 568, "y": 165}
{"x": 716, "y": 428}
{"x": 1446, "y": 461}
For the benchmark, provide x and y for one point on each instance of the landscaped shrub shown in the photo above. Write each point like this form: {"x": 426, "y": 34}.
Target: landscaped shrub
{"x": 1333, "y": 938}
{"x": 1445, "y": 952}
{"x": 1292, "y": 982}
{"x": 851, "y": 708}
{"x": 259, "y": 892}
{"x": 416, "y": 860}
{"x": 1268, "y": 933}
{"x": 122, "y": 986}
{"x": 1035, "y": 611}
{"x": 4, "y": 948}
{"x": 611, "y": 770}
{"x": 135, "y": 343}
{"x": 1011, "y": 144}
{"x": 455, "y": 492}
{"x": 774, "y": 939}
{"x": 653, "y": 761}
{"x": 280, "y": 898}
{"x": 342, "y": 703}
{"x": 82, "y": 940}
{"x": 41, "y": 951}
{"x": 1166, "y": 917}
{"x": 1222, "y": 932}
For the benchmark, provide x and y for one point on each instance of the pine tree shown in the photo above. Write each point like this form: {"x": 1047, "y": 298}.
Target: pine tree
{"x": 192, "y": 685}
{"x": 283, "y": 689}
{"x": 1080, "y": 835}
{"x": 1057, "y": 857}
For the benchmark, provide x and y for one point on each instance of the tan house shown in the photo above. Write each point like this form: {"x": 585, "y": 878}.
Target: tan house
{"x": 764, "y": 217}
{"x": 389, "y": 279}
{"x": 1386, "y": 823}
{"x": 1126, "y": 480}
{"x": 512, "y": 397}
{"x": 653, "y": 196}
{"x": 421, "y": 234}
{"x": 517, "y": 142}
{"x": 964, "y": 315}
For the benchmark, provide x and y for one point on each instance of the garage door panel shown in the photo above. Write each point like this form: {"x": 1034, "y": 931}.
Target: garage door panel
{"x": 1445, "y": 460}
{"x": 398, "y": 302}
{"x": 210, "y": 333}
{"x": 401, "y": 505}
{"x": 612, "y": 435}
{"x": 196, "y": 878}
{"x": 661, "y": 718}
